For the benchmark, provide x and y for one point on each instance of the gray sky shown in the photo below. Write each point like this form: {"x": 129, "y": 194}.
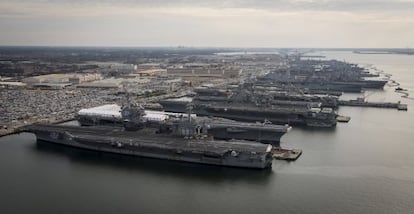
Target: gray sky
{"x": 218, "y": 23}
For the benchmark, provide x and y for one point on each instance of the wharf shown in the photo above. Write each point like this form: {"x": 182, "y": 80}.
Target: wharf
{"x": 17, "y": 127}
{"x": 5, "y": 132}
{"x": 398, "y": 105}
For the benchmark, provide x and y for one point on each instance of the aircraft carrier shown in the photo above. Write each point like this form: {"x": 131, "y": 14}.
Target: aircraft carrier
{"x": 181, "y": 140}
{"x": 150, "y": 143}
{"x": 219, "y": 128}
{"x": 280, "y": 96}
{"x": 323, "y": 75}
{"x": 244, "y": 105}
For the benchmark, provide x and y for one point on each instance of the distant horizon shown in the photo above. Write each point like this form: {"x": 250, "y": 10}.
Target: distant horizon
{"x": 208, "y": 23}
{"x": 203, "y": 47}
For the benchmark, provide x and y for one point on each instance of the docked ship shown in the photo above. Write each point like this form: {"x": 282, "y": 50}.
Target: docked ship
{"x": 281, "y": 96}
{"x": 351, "y": 86}
{"x": 149, "y": 143}
{"x": 245, "y": 105}
{"x": 219, "y": 128}
{"x": 182, "y": 141}
{"x": 323, "y": 75}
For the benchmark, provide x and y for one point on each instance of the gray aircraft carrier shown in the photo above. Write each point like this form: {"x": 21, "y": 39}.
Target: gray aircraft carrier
{"x": 149, "y": 143}
{"x": 219, "y": 128}
{"x": 182, "y": 140}
{"x": 243, "y": 104}
{"x": 323, "y": 75}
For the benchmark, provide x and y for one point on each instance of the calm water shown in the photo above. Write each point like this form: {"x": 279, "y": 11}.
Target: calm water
{"x": 365, "y": 166}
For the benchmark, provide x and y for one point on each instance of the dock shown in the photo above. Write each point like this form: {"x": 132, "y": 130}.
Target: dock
{"x": 15, "y": 128}
{"x": 286, "y": 154}
{"x": 5, "y": 132}
{"x": 361, "y": 103}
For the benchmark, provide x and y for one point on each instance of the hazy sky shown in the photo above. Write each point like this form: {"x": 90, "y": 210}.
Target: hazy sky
{"x": 225, "y": 23}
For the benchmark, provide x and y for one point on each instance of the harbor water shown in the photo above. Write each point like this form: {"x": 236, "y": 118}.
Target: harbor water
{"x": 364, "y": 166}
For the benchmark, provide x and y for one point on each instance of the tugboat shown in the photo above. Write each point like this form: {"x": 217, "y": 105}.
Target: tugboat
{"x": 400, "y": 89}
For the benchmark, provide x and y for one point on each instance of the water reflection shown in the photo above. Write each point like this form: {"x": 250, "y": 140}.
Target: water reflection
{"x": 206, "y": 173}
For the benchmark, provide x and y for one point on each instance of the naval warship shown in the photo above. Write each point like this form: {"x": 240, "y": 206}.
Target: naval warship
{"x": 219, "y": 128}
{"x": 325, "y": 75}
{"x": 281, "y": 96}
{"x": 242, "y": 104}
{"x": 181, "y": 141}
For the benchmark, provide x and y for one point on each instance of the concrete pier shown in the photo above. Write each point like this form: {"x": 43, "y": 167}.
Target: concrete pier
{"x": 362, "y": 103}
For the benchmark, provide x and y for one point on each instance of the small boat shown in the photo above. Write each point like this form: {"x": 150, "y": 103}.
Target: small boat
{"x": 286, "y": 154}
{"x": 343, "y": 119}
{"x": 400, "y": 89}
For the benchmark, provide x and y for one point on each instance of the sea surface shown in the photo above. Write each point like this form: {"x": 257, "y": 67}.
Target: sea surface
{"x": 364, "y": 166}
